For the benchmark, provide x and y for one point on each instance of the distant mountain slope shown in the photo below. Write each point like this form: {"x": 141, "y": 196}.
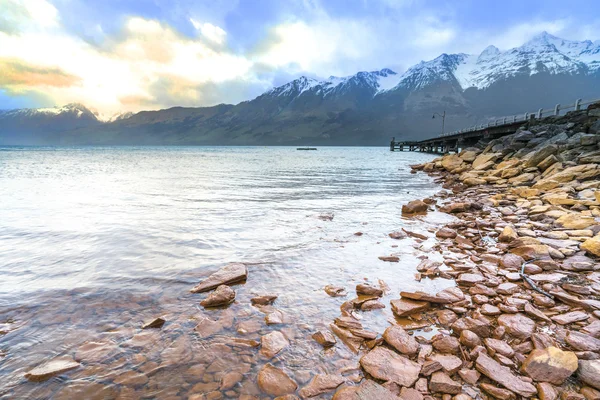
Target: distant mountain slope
{"x": 363, "y": 109}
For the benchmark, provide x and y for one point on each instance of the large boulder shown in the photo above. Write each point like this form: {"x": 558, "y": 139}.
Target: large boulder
{"x": 575, "y": 221}
{"x": 485, "y": 161}
{"x": 550, "y": 365}
{"x": 451, "y": 162}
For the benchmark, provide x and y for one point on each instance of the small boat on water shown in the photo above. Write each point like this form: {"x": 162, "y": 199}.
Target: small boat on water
{"x": 306, "y": 148}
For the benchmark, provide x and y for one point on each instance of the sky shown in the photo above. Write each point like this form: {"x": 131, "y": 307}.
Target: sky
{"x": 119, "y": 56}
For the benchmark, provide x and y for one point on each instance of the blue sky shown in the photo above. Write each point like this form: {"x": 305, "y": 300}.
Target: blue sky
{"x": 147, "y": 54}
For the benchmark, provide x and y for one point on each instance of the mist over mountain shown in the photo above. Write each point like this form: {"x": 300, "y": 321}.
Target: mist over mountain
{"x": 367, "y": 108}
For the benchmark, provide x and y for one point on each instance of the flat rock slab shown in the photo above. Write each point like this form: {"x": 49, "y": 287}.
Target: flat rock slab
{"x": 503, "y": 375}
{"x": 589, "y": 372}
{"x": 50, "y": 369}
{"x": 470, "y": 279}
{"x": 387, "y": 365}
{"x": 570, "y": 317}
{"x": 405, "y": 307}
{"x": 321, "y": 384}
{"x": 155, "y": 323}
{"x": 272, "y": 343}
{"x": 275, "y": 382}
{"x": 517, "y": 325}
{"x": 369, "y": 390}
{"x": 229, "y": 274}
{"x": 399, "y": 339}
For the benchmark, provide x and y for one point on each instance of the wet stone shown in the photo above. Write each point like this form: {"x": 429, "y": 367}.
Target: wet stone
{"x": 368, "y": 290}
{"x": 223, "y": 295}
{"x": 230, "y": 274}
{"x": 440, "y": 382}
{"x": 274, "y": 381}
{"x": 155, "y": 323}
{"x": 387, "y": 365}
{"x": 335, "y": 291}
{"x": 273, "y": 343}
{"x": 321, "y": 384}
{"x": 50, "y": 369}
{"x": 517, "y": 325}
{"x": 399, "y": 339}
{"x": 324, "y": 338}
{"x": 263, "y": 300}
{"x": 406, "y": 307}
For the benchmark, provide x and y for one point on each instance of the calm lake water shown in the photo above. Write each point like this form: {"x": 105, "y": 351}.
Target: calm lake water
{"x": 94, "y": 241}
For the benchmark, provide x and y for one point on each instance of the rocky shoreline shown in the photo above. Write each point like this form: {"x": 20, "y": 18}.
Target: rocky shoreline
{"x": 522, "y": 321}
{"x": 524, "y": 318}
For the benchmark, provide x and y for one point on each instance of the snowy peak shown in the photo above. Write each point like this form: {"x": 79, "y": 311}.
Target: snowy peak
{"x": 295, "y": 87}
{"x": 374, "y": 82}
{"x": 488, "y": 53}
{"x": 76, "y": 110}
{"x": 544, "y": 53}
{"x": 429, "y": 72}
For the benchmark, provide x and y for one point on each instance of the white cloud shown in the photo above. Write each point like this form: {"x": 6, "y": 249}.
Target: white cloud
{"x": 212, "y": 32}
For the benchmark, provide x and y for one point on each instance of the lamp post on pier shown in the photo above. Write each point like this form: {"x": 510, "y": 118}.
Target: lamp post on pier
{"x": 443, "y": 119}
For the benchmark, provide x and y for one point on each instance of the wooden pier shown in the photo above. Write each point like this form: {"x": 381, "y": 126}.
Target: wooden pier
{"x": 458, "y": 140}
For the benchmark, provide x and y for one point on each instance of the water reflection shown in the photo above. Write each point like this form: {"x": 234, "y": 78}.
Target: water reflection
{"x": 95, "y": 241}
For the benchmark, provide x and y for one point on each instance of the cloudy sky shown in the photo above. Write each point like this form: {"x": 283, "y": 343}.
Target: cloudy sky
{"x": 118, "y": 55}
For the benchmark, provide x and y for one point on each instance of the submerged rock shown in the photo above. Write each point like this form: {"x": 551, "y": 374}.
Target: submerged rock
{"x": 222, "y": 296}
{"x": 263, "y": 300}
{"x": 324, "y": 338}
{"x": 275, "y": 382}
{"x": 155, "y": 323}
{"x": 50, "y": 369}
{"x": 272, "y": 343}
{"x": 335, "y": 291}
{"x": 321, "y": 384}
{"x": 229, "y": 274}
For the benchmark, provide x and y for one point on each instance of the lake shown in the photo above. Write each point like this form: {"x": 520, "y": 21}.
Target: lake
{"x": 95, "y": 241}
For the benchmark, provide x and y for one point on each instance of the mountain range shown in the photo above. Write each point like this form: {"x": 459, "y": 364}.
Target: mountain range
{"x": 367, "y": 108}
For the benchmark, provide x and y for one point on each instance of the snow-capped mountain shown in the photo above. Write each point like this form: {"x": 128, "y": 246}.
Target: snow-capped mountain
{"x": 366, "y": 108}
{"x": 75, "y": 110}
{"x": 544, "y": 53}
{"x": 375, "y": 81}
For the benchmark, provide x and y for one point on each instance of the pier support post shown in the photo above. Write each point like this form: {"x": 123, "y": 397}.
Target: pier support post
{"x": 557, "y": 109}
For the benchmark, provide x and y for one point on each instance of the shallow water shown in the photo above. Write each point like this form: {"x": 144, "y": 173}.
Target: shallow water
{"x": 94, "y": 241}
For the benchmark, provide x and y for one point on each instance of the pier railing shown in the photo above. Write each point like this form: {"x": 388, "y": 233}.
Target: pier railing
{"x": 541, "y": 113}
